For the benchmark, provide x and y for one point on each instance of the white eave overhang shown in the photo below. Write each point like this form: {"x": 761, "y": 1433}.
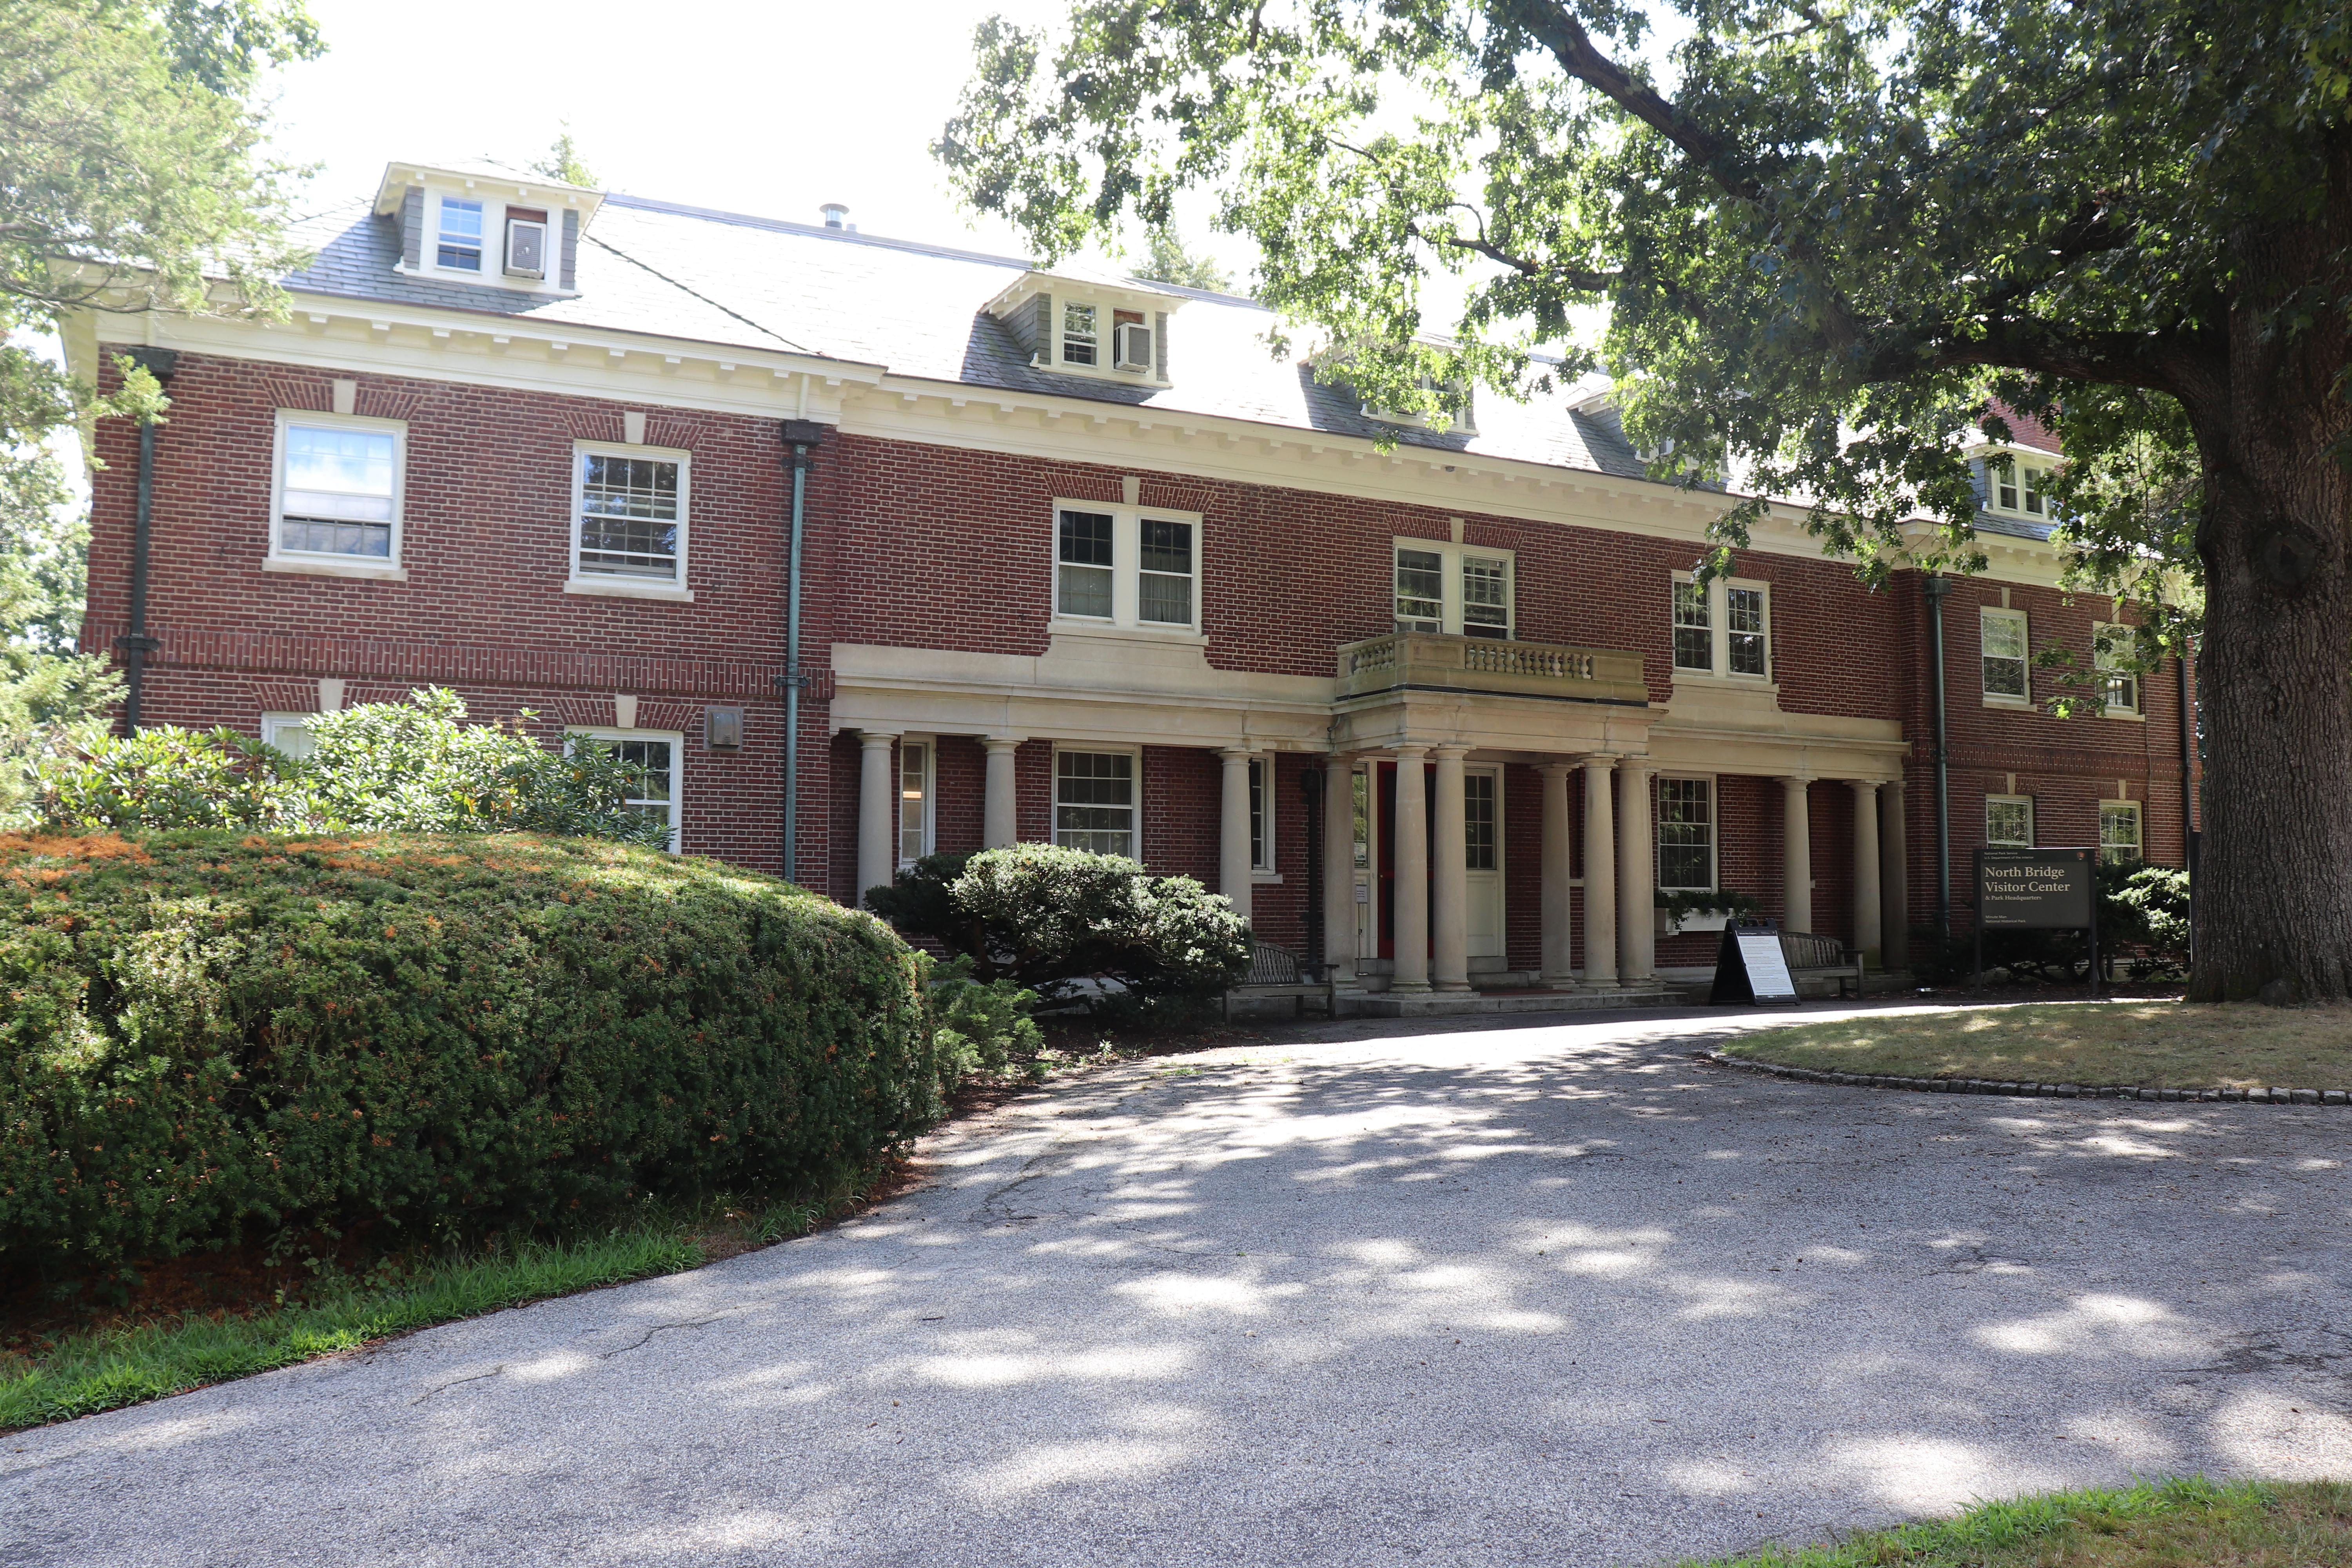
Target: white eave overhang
{"x": 1115, "y": 292}
{"x": 552, "y": 195}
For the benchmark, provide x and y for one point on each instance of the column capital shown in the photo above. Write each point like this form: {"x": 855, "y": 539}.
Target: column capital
{"x": 1796, "y": 782}
{"x": 1636, "y": 765}
{"x": 1414, "y": 749}
{"x": 1236, "y": 753}
{"x": 1599, "y": 762}
{"x": 874, "y": 740}
{"x": 1557, "y": 765}
{"x": 1001, "y": 742}
{"x": 1450, "y": 753}
{"x": 1863, "y": 786}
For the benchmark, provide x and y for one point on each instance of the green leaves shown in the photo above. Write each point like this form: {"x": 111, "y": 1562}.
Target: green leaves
{"x": 1827, "y": 243}
{"x": 413, "y": 767}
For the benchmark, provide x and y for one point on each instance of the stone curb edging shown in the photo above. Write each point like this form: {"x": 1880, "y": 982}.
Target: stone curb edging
{"x": 2034, "y": 1090}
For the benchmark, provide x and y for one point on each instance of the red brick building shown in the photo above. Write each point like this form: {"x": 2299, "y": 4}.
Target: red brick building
{"x": 1080, "y": 561}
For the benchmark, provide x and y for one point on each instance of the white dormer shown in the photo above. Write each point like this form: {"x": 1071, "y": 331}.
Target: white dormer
{"x": 2021, "y": 487}
{"x": 487, "y": 225}
{"x": 1113, "y": 329}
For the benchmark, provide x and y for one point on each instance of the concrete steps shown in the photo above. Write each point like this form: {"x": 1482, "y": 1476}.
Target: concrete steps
{"x": 1349, "y": 1004}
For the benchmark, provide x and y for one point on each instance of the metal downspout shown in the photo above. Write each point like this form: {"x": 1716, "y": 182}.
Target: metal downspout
{"x": 158, "y": 363}
{"x": 801, "y": 434}
{"x": 1937, "y": 587}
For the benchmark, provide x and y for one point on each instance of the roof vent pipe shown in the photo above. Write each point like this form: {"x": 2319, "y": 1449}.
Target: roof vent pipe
{"x": 835, "y": 215}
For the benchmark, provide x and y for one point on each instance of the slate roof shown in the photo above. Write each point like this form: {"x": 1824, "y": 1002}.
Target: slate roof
{"x": 697, "y": 275}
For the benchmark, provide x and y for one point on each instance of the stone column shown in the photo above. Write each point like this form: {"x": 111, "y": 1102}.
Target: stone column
{"x": 1411, "y": 878}
{"x": 1555, "y": 875}
{"x": 1796, "y": 857}
{"x": 1866, "y": 901}
{"x": 1637, "y": 876}
{"x": 1232, "y": 834}
{"x": 877, "y": 815}
{"x": 1449, "y": 915}
{"x": 1894, "y": 878}
{"x": 1599, "y": 874}
{"x": 1339, "y": 868}
{"x": 1000, "y": 809}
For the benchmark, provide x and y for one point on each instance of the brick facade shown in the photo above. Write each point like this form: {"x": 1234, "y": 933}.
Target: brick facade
{"x": 931, "y": 546}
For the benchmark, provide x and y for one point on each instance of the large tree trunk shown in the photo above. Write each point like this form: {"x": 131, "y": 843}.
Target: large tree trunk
{"x": 2274, "y": 890}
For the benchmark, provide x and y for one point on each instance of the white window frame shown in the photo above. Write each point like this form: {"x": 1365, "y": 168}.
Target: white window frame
{"x": 1714, "y": 835}
{"x": 1986, "y": 616}
{"x": 493, "y": 215}
{"x": 2029, "y": 476}
{"x": 1263, "y": 775}
{"x": 1127, "y": 570}
{"x": 614, "y": 584}
{"x": 2102, "y": 663}
{"x": 1718, "y": 620}
{"x": 2024, "y": 800}
{"x": 1054, "y": 794}
{"x": 677, "y": 739}
{"x": 1064, "y": 336}
{"x": 326, "y": 565}
{"x": 1451, "y": 557}
{"x": 2139, "y": 831}
{"x": 276, "y": 724}
{"x": 928, "y": 844}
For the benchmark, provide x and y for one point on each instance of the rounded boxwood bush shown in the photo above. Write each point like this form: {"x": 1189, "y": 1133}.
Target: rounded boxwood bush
{"x": 211, "y": 1037}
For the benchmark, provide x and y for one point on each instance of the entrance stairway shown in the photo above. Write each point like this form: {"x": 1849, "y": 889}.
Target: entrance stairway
{"x": 1275, "y": 984}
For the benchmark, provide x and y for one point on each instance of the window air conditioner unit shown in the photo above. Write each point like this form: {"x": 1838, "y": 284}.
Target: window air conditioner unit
{"x": 1132, "y": 349}
{"x": 526, "y": 246}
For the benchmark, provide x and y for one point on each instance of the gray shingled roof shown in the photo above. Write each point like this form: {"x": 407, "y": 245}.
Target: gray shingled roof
{"x": 690, "y": 273}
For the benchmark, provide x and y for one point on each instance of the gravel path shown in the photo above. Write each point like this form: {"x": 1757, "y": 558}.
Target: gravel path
{"x": 1368, "y": 1294}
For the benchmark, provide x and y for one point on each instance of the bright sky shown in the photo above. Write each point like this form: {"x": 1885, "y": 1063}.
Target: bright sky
{"x": 771, "y": 110}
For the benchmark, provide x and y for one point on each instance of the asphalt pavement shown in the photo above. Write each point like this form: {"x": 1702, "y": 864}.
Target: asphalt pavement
{"x": 1366, "y": 1293}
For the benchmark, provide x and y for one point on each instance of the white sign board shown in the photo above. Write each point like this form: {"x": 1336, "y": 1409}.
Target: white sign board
{"x": 1750, "y": 967}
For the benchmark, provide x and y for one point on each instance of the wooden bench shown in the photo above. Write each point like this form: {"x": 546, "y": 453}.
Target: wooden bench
{"x": 1274, "y": 974}
{"x": 1814, "y": 957}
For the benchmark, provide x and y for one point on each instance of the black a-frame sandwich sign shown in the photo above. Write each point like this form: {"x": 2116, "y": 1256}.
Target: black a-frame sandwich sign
{"x": 1751, "y": 965}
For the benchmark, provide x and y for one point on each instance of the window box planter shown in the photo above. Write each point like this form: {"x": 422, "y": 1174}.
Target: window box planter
{"x": 1675, "y": 922}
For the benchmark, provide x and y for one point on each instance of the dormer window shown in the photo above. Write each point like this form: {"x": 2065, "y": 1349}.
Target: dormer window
{"x": 1077, "y": 335}
{"x": 2021, "y": 489}
{"x": 460, "y": 235}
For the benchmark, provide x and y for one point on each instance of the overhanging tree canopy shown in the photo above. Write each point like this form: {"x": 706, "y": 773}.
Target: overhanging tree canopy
{"x": 1829, "y": 239}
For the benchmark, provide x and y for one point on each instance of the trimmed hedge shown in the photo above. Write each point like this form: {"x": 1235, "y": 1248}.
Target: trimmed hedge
{"x": 211, "y": 1036}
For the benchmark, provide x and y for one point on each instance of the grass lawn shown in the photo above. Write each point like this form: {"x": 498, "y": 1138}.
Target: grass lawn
{"x": 58, "y": 1376}
{"x": 2192, "y": 1523}
{"x": 2149, "y": 1045}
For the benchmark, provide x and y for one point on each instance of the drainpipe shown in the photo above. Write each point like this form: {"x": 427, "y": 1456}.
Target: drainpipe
{"x": 800, "y": 435}
{"x": 158, "y": 363}
{"x": 1937, "y": 587}
{"x": 2190, "y": 842}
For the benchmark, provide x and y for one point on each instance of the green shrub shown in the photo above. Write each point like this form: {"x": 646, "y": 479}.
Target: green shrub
{"x": 984, "y": 1027}
{"x": 1053, "y": 920}
{"x": 211, "y": 1036}
{"x": 406, "y": 767}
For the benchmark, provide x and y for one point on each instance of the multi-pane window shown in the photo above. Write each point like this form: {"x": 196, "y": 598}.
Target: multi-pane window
{"x": 655, "y": 793}
{"x": 2023, "y": 486}
{"x": 1479, "y": 839}
{"x": 1163, "y": 586}
{"x": 1084, "y": 557}
{"x": 1686, "y": 834}
{"x": 1419, "y": 590}
{"x": 1723, "y": 627}
{"x": 2111, "y": 652}
{"x": 290, "y": 732}
{"x": 914, "y": 801}
{"x": 631, "y": 516}
{"x": 459, "y": 242}
{"x": 1747, "y": 648}
{"x": 2119, "y": 842}
{"x": 1261, "y": 810}
{"x": 2002, "y": 644}
{"x": 1094, "y": 802}
{"x": 1693, "y": 629}
{"x": 339, "y": 490}
{"x": 1485, "y": 596}
{"x": 2008, "y": 820}
{"x": 1078, "y": 343}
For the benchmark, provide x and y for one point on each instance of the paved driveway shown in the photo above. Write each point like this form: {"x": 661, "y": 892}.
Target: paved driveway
{"x": 1547, "y": 1294}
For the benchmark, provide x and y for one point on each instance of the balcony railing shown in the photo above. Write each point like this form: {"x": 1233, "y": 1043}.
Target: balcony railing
{"x": 1425, "y": 661}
